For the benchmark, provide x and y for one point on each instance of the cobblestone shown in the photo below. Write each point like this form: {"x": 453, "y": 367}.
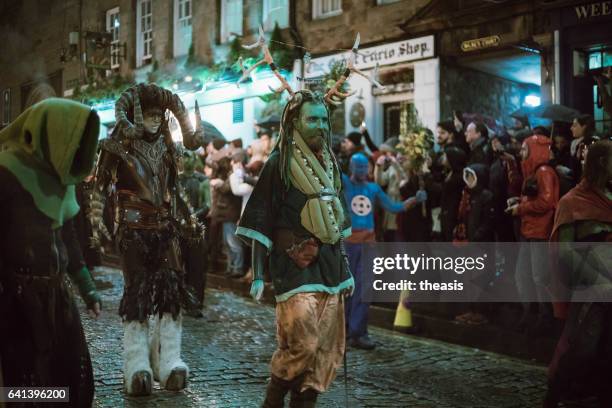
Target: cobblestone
{"x": 229, "y": 348}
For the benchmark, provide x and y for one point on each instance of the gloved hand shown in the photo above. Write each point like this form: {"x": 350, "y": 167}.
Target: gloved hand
{"x": 87, "y": 288}
{"x": 257, "y": 288}
{"x": 421, "y": 196}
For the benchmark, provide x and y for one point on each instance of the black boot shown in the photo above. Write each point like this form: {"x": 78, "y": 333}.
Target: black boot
{"x": 305, "y": 399}
{"x": 275, "y": 393}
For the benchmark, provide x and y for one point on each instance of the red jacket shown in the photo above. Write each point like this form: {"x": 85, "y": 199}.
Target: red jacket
{"x": 537, "y": 213}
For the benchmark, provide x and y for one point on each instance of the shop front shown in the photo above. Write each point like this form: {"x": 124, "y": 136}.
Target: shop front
{"x": 585, "y": 52}
{"x": 409, "y": 72}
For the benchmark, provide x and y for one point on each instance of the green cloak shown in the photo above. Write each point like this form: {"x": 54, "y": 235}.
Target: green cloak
{"x": 51, "y": 147}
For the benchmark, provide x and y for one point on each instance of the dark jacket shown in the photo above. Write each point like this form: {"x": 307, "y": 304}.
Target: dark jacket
{"x": 225, "y": 205}
{"x": 481, "y": 216}
{"x": 505, "y": 181}
{"x": 481, "y": 152}
{"x": 452, "y": 188}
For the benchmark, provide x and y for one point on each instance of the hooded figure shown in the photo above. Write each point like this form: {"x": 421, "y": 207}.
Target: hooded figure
{"x": 50, "y": 148}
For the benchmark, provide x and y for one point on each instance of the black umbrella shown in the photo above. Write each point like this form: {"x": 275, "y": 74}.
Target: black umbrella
{"x": 556, "y": 112}
{"x": 211, "y": 132}
{"x": 270, "y": 121}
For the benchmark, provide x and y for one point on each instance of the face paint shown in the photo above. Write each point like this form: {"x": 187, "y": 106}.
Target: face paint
{"x": 152, "y": 120}
{"x": 313, "y": 125}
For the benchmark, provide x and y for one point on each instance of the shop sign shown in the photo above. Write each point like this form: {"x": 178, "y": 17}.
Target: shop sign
{"x": 480, "y": 43}
{"x": 597, "y": 9}
{"x": 386, "y": 54}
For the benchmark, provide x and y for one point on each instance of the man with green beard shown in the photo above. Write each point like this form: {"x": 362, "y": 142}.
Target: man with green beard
{"x": 296, "y": 219}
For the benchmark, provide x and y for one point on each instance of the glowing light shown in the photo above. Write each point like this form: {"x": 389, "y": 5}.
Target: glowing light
{"x": 188, "y": 78}
{"x": 175, "y": 86}
{"x": 116, "y": 22}
{"x": 532, "y": 100}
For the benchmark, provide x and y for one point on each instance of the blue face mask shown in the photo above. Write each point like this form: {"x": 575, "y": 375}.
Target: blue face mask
{"x": 359, "y": 167}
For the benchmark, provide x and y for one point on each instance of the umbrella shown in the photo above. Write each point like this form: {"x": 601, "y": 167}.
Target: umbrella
{"x": 211, "y": 132}
{"x": 556, "y": 112}
{"x": 269, "y": 121}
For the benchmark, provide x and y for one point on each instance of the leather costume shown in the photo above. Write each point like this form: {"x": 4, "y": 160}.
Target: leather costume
{"x": 137, "y": 175}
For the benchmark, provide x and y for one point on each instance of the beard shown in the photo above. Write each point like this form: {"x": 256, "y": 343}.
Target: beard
{"x": 316, "y": 142}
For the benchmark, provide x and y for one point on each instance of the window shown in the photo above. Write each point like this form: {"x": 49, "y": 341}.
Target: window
{"x": 275, "y": 11}
{"x": 231, "y": 19}
{"x": 6, "y": 106}
{"x": 182, "y": 27}
{"x": 144, "y": 30}
{"x": 238, "y": 111}
{"x": 112, "y": 26}
{"x": 383, "y": 2}
{"x": 326, "y": 8}
{"x": 597, "y": 62}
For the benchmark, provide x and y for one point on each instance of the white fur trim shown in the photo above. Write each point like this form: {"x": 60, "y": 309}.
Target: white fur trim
{"x": 135, "y": 350}
{"x": 170, "y": 352}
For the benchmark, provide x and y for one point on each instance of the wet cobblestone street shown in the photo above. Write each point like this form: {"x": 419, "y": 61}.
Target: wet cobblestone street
{"x": 229, "y": 348}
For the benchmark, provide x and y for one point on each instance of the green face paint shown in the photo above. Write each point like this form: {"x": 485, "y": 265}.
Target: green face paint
{"x": 313, "y": 124}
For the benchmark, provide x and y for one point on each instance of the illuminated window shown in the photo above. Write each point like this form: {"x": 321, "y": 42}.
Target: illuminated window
{"x": 326, "y": 8}
{"x": 182, "y": 27}
{"x": 231, "y": 19}
{"x": 275, "y": 11}
{"x": 112, "y": 26}
{"x": 144, "y": 29}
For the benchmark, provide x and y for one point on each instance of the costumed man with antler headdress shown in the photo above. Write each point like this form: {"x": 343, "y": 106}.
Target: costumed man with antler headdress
{"x": 137, "y": 180}
{"x": 296, "y": 220}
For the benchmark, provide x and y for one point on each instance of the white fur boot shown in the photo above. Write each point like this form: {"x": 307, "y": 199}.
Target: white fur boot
{"x": 136, "y": 369}
{"x": 154, "y": 347}
{"x": 173, "y": 371}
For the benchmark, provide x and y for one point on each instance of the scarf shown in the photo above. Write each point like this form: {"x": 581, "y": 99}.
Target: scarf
{"x": 322, "y": 215}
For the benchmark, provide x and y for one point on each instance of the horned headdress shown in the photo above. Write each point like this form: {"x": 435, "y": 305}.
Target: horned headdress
{"x": 132, "y": 102}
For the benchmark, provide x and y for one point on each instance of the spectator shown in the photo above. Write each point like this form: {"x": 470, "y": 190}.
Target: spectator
{"x": 505, "y": 181}
{"x": 389, "y": 174}
{"x": 536, "y": 210}
{"x": 583, "y": 129}
{"x": 476, "y": 136}
{"x": 225, "y": 213}
{"x": 454, "y": 160}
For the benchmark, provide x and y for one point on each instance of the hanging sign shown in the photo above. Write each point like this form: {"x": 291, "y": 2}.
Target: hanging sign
{"x": 480, "y": 43}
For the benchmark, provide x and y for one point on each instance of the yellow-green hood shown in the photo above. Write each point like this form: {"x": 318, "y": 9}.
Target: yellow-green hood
{"x": 51, "y": 147}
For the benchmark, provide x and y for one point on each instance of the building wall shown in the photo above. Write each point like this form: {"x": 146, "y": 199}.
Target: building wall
{"x": 493, "y": 96}
{"x": 374, "y": 23}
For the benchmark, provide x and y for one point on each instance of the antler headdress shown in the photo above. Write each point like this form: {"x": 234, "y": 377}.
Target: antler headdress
{"x": 267, "y": 58}
{"x": 334, "y": 96}
{"x": 156, "y": 96}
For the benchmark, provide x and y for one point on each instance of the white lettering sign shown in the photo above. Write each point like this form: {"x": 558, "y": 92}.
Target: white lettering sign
{"x": 386, "y": 54}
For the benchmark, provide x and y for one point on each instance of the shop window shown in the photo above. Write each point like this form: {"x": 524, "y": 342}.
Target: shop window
{"x": 112, "y": 27}
{"x": 231, "y": 19}
{"x": 182, "y": 27}
{"x": 6, "y": 107}
{"x": 238, "y": 111}
{"x": 275, "y": 11}
{"x": 144, "y": 30}
{"x": 326, "y": 8}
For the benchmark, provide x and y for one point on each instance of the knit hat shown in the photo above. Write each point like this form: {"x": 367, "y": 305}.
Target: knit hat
{"x": 218, "y": 143}
{"x": 355, "y": 137}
